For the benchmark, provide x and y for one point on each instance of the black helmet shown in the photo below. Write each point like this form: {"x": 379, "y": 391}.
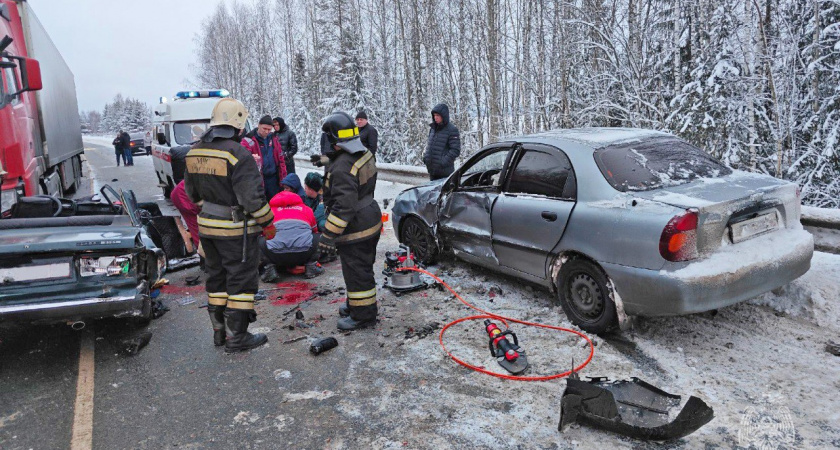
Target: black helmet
{"x": 342, "y": 131}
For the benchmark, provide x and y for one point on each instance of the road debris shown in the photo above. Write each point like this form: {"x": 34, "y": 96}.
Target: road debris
{"x": 423, "y": 331}
{"x": 133, "y": 345}
{"x": 321, "y": 345}
{"x": 631, "y": 407}
{"x": 832, "y": 348}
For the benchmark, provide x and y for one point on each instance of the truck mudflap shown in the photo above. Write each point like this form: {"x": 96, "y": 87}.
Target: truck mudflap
{"x": 631, "y": 407}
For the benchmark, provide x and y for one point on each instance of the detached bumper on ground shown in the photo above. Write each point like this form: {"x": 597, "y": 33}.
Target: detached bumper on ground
{"x": 733, "y": 274}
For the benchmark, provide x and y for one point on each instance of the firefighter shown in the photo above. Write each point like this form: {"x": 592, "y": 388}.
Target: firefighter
{"x": 224, "y": 176}
{"x": 353, "y": 217}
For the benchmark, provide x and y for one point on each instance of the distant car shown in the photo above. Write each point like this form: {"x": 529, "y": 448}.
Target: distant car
{"x": 138, "y": 142}
{"x": 615, "y": 221}
{"x": 74, "y": 261}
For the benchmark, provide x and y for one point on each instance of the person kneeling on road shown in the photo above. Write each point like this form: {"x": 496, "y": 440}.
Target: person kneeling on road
{"x": 296, "y": 241}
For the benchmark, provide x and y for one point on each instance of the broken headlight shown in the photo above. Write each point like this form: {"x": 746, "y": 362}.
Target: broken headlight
{"x": 104, "y": 265}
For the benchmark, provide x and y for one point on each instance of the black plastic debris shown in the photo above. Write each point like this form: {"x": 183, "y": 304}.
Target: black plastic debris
{"x": 158, "y": 309}
{"x": 193, "y": 281}
{"x": 631, "y": 407}
{"x": 299, "y": 315}
{"x": 832, "y": 348}
{"x": 133, "y": 345}
{"x": 321, "y": 345}
{"x": 421, "y": 332}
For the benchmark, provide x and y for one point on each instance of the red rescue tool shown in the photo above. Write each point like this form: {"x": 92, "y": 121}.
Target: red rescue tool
{"x": 508, "y": 354}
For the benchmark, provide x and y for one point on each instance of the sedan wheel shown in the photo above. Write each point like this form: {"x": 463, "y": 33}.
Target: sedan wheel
{"x": 416, "y": 235}
{"x": 584, "y": 296}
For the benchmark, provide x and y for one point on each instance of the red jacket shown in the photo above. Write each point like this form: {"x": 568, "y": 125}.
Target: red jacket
{"x": 254, "y": 147}
{"x": 295, "y": 223}
{"x": 289, "y": 206}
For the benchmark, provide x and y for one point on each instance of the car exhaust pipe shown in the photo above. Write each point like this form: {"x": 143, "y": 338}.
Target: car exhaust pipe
{"x": 77, "y": 325}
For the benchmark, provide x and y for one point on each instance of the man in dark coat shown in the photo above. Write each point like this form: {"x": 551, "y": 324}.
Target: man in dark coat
{"x": 118, "y": 149}
{"x": 288, "y": 142}
{"x": 444, "y": 145}
{"x": 367, "y": 133}
{"x": 125, "y": 141}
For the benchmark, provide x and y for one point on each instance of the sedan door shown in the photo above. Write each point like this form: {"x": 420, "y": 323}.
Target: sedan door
{"x": 464, "y": 214}
{"x": 530, "y": 215}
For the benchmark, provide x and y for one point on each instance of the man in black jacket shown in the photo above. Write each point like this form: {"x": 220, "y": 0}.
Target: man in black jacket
{"x": 125, "y": 140}
{"x": 444, "y": 144}
{"x": 367, "y": 133}
{"x": 288, "y": 142}
{"x": 224, "y": 179}
{"x": 354, "y": 219}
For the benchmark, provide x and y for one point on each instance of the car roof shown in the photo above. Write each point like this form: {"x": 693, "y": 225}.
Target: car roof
{"x": 591, "y": 137}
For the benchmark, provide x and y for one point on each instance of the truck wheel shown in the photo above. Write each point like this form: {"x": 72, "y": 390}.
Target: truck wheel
{"x": 584, "y": 296}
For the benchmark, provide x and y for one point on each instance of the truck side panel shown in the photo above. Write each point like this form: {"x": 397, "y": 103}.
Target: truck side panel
{"x": 58, "y": 108}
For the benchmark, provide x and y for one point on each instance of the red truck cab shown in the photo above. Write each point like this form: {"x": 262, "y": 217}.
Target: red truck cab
{"x": 40, "y": 134}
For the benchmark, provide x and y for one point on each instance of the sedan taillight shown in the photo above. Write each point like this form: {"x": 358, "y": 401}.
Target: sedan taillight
{"x": 679, "y": 238}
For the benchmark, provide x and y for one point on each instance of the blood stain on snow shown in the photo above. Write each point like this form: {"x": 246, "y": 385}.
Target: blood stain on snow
{"x": 293, "y": 292}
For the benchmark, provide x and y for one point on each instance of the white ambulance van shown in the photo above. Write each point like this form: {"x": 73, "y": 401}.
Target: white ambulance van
{"x": 177, "y": 124}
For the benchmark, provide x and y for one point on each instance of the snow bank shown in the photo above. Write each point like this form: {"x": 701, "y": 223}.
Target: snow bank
{"x": 814, "y": 296}
{"x": 830, "y": 215}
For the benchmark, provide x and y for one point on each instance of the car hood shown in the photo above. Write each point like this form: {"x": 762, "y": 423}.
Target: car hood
{"x": 67, "y": 239}
{"x": 420, "y": 200}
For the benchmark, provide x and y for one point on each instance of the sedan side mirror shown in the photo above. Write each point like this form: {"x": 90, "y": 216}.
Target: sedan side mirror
{"x": 161, "y": 138}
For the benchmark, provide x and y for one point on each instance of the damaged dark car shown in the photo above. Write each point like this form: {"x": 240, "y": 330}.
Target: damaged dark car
{"x": 74, "y": 261}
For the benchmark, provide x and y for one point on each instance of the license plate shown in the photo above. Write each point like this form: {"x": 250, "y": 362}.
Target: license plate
{"x": 747, "y": 229}
{"x": 34, "y": 273}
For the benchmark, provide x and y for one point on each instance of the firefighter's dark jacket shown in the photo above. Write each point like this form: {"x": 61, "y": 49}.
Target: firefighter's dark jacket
{"x": 353, "y": 214}
{"x": 223, "y": 174}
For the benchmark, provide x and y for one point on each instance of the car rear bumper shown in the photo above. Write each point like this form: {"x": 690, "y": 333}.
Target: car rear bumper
{"x": 120, "y": 306}
{"x": 733, "y": 274}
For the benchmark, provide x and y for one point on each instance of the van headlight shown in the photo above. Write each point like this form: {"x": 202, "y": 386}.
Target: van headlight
{"x": 104, "y": 265}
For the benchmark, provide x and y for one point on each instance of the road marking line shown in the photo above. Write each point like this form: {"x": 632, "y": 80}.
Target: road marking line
{"x": 83, "y": 411}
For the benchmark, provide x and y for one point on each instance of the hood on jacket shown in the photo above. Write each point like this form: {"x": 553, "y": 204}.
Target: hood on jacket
{"x": 285, "y": 199}
{"x": 282, "y": 124}
{"x": 293, "y": 181}
{"x": 443, "y": 110}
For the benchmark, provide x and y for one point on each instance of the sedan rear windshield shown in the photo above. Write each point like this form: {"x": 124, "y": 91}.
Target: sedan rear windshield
{"x": 656, "y": 163}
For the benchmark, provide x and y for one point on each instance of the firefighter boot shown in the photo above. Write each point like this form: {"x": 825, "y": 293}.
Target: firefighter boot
{"x": 348, "y": 323}
{"x": 217, "y": 318}
{"x": 270, "y": 275}
{"x": 313, "y": 269}
{"x": 344, "y": 310}
{"x": 239, "y": 339}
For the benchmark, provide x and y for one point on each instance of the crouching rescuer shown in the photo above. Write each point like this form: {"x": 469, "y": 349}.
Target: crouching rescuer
{"x": 353, "y": 217}
{"x": 223, "y": 176}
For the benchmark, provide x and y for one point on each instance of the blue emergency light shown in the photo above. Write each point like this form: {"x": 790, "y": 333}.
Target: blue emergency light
{"x": 217, "y": 93}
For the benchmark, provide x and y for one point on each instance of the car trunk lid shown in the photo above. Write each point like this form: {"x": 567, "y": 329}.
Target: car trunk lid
{"x": 733, "y": 208}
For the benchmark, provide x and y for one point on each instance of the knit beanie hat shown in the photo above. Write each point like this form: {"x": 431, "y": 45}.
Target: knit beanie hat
{"x": 266, "y": 120}
{"x": 361, "y": 115}
{"x": 313, "y": 181}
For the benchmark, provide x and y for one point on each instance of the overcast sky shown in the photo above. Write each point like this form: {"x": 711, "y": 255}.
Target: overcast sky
{"x": 140, "y": 48}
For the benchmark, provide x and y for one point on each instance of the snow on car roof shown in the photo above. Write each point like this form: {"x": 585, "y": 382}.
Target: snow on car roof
{"x": 598, "y": 137}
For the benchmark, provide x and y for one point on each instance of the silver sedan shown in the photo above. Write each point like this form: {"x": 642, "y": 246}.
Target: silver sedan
{"x": 615, "y": 221}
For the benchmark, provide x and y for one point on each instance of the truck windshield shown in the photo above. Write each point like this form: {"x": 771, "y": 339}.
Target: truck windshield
{"x": 189, "y": 132}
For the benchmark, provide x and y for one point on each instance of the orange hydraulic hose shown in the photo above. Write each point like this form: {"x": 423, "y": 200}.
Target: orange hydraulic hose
{"x": 504, "y": 320}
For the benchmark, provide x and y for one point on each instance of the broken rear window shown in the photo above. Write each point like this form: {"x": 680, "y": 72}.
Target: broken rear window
{"x": 655, "y": 163}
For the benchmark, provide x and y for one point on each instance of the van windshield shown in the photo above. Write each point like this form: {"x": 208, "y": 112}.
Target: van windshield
{"x": 189, "y": 132}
